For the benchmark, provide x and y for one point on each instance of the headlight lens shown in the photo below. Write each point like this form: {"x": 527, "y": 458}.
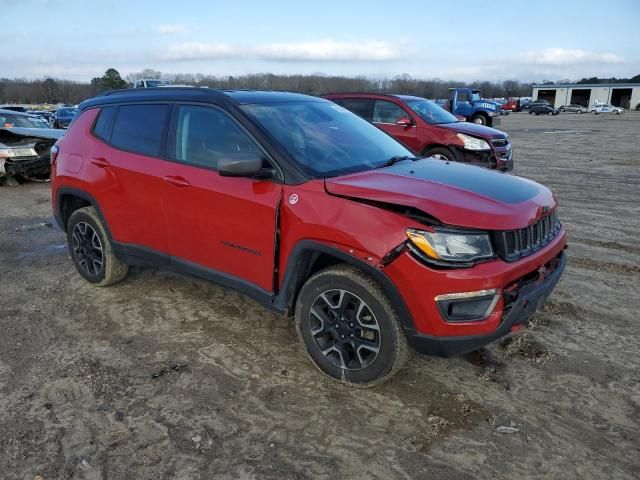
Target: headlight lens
{"x": 18, "y": 152}
{"x": 473, "y": 143}
{"x": 451, "y": 246}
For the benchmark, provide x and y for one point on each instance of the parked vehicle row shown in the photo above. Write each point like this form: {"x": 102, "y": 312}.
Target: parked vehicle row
{"x": 314, "y": 212}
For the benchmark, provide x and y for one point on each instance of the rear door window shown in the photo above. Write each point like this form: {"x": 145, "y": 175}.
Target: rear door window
{"x": 140, "y": 128}
{"x": 363, "y": 107}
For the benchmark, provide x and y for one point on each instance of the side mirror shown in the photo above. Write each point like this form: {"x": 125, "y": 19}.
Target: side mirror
{"x": 240, "y": 165}
{"x": 404, "y": 122}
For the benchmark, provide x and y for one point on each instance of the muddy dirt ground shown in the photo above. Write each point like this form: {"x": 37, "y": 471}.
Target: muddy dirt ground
{"x": 78, "y": 397}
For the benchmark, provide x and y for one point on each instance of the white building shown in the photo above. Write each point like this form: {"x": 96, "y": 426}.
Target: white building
{"x": 625, "y": 95}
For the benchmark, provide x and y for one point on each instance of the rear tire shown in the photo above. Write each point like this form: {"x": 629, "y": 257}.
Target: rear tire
{"x": 91, "y": 249}
{"x": 349, "y": 328}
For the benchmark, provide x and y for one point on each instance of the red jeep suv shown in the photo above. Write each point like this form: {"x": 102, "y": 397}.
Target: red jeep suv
{"x": 429, "y": 130}
{"x": 312, "y": 211}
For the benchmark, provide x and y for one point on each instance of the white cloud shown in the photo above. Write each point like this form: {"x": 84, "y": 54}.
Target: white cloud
{"x": 319, "y": 51}
{"x": 329, "y": 51}
{"x": 565, "y": 56}
{"x": 170, "y": 29}
{"x": 200, "y": 51}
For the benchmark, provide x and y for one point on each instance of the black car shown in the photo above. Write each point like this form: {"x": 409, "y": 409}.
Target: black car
{"x": 14, "y": 108}
{"x": 542, "y": 109}
{"x": 63, "y": 116}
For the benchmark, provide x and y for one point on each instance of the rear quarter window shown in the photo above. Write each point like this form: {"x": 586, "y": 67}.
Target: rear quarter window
{"x": 140, "y": 128}
{"x": 102, "y": 127}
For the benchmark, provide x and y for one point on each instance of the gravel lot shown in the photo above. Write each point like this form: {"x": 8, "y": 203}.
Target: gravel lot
{"x": 78, "y": 398}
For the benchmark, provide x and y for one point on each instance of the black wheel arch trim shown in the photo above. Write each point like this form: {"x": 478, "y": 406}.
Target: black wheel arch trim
{"x": 76, "y": 192}
{"x": 300, "y": 261}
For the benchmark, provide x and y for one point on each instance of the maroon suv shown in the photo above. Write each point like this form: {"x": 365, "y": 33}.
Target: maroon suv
{"x": 430, "y": 130}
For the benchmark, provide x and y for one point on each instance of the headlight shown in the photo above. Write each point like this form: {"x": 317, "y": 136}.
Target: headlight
{"x": 17, "y": 152}
{"x": 473, "y": 143}
{"x": 450, "y": 246}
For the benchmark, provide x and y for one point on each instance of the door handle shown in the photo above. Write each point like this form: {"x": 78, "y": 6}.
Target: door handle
{"x": 177, "y": 182}
{"x": 100, "y": 162}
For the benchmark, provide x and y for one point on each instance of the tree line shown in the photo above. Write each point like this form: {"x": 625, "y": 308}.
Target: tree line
{"x": 52, "y": 91}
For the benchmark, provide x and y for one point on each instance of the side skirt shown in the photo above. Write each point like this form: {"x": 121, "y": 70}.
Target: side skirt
{"x": 141, "y": 256}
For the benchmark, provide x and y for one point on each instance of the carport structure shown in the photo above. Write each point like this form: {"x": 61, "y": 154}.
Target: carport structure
{"x": 625, "y": 95}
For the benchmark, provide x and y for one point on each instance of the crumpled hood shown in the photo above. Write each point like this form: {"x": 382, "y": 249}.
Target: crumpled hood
{"x": 20, "y": 132}
{"x": 454, "y": 193}
{"x": 474, "y": 129}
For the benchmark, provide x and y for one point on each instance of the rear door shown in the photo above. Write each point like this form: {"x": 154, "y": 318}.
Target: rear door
{"x": 125, "y": 168}
{"x": 225, "y": 224}
{"x": 386, "y": 115}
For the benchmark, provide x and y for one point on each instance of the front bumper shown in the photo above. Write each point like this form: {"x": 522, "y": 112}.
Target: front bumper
{"x": 498, "y": 158}
{"x": 420, "y": 284}
{"x": 523, "y": 303}
{"x": 39, "y": 167}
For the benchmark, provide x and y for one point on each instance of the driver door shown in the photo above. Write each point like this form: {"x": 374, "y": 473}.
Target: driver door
{"x": 224, "y": 224}
{"x": 463, "y": 105}
{"x": 385, "y": 117}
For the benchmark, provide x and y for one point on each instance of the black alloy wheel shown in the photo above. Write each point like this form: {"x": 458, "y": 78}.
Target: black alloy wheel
{"x": 345, "y": 329}
{"x": 349, "y": 328}
{"x": 91, "y": 249}
{"x": 87, "y": 248}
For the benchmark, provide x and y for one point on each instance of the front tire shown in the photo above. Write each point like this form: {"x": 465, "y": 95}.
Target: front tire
{"x": 440, "y": 153}
{"x": 349, "y": 328}
{"x": 91, "y": 249}
{"x": 479, "y": 120}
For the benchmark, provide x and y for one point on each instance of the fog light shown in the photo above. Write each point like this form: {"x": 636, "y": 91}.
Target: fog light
{"x": 467, "y": 306}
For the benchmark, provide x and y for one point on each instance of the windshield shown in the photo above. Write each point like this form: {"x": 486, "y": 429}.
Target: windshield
{"x": 67, "y": 112}
{"x": 475, "y": 97}
{"x": 9, "y": 120}
{"x": 325, "y": 139}
{"x": 156, "y": 83}
{"x": 430, "y": 112}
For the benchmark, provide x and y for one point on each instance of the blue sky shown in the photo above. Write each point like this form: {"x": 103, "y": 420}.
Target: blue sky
{"x": 463, "y": 40}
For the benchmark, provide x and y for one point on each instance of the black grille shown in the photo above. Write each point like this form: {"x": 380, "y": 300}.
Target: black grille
{"x": 500, "y": 142}
{"x": 514, "y": 244}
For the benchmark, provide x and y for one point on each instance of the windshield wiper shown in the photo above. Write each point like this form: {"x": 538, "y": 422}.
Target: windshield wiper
{"x": 396, "y": 159}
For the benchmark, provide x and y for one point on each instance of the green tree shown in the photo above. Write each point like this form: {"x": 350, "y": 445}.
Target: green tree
{"x": 111, "y": 80}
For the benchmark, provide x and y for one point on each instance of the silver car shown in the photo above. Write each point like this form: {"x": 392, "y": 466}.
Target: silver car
{"x": 606, "y": 108}
{"x": 574, "y": 108}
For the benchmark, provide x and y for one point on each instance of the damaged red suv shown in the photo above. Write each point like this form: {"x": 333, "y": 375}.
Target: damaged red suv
{"x": 429, "y": 130}
{"x": 312, "y": 211}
